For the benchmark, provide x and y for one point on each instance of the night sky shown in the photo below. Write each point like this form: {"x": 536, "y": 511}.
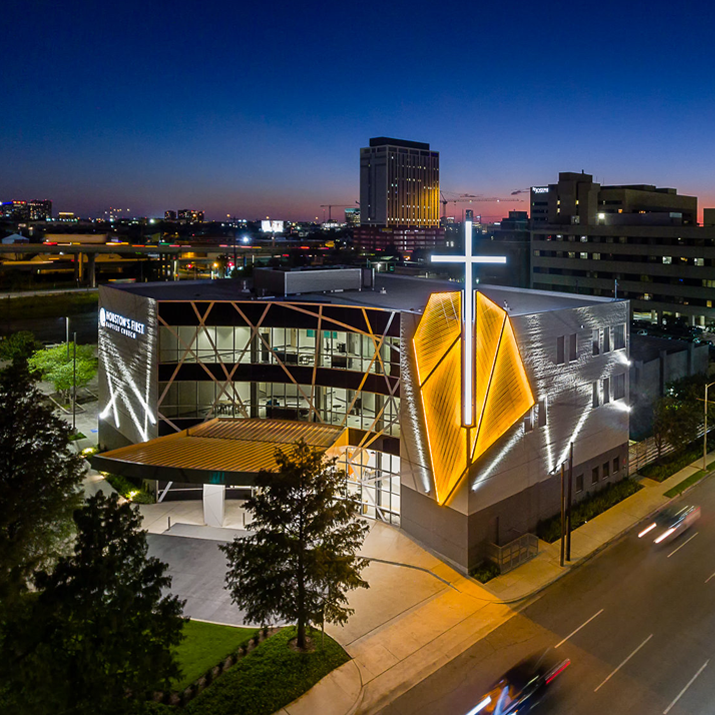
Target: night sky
{"x": 259, "y": 109}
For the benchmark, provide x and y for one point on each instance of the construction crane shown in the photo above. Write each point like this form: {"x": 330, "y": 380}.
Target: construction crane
{"x": 330, "y": 208}
{"x": 472, "y": 199}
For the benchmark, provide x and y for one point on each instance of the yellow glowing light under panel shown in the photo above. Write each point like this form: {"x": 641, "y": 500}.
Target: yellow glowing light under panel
{"x": 446, "y": 436}
{"x": 439, "y": 327}
{"x": 490, "y": 324}
{"x": 504, "y": 393}
{"x": 509, "y": 395}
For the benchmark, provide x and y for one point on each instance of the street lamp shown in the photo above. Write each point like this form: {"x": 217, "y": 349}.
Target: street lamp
{"x": 705, "y": 432}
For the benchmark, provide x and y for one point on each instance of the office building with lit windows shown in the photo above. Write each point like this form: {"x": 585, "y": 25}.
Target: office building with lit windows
{"x": 637, "y": 241}
{"x": 399, "y": 195}
{"x": 200, "y": 383}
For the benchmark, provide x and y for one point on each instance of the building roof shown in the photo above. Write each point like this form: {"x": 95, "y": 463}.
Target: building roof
{"x": 645, "y": 348}
{"x": 221, "y": 451}
{"x": 392, "y": 292}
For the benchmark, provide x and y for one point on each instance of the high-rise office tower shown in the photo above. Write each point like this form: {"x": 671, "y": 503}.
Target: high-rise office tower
{"x": 399, "y": 184}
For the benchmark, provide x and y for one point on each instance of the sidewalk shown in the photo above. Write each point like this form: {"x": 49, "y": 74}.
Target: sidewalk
{"x": 402, "y": 632}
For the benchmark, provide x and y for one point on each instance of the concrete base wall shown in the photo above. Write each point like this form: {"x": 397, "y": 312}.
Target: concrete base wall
{"x": 463, "y": 540}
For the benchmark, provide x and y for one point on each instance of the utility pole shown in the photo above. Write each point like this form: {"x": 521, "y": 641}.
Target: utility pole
{"x": 74, "y": 387}
{"x": 563, "y": 513}
{"x": 67, "y": 336}
{"x": 568, "y": 505}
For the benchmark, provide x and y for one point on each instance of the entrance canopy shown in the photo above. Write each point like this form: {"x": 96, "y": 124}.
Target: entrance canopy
{"x": 222, "y": 451}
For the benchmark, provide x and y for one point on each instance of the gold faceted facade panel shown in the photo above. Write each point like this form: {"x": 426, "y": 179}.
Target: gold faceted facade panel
{"x": 447, "y": 438}
{"x": 440, "y": 327}
{"x": 502, "y": 391}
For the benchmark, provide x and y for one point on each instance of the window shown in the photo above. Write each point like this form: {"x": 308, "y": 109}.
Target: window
{"x": 667, "y": 260}
{"x": 595, "y": 401}
{"x": 594, "y": 475}
{"x": 542, "y": 413}
{"x": 606, "y": 470}
{"x": 619, "y": 386}
{"x": 573, "y": 347}
{"x": 699, "y": 261}
{"x": 606, "y": 391}
{"x": 579, "y": 483}
{"x": 619, "y": 337}
{"x": 595, "y": 341}
{"x": 560, "y": 350}
{"x": 607, "y": 340}
{"x": 616, "y": 465}
{"x": 583, "y": 255}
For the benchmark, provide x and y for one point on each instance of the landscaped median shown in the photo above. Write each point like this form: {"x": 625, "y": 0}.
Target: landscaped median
{"x": 262, "y": 680}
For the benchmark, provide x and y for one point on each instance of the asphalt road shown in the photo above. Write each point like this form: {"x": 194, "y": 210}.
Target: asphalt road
{"x": 637, "y": 622}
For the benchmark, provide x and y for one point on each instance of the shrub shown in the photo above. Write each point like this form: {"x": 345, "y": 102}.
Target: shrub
{"x": 591, "y": 506}
{"x": 486, "y": 571}
{"x": 129, "y": 489}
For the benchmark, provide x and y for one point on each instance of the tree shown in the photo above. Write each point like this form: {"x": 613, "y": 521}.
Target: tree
{"x": 19, "y": 346}
{"x": 98, "y": 636}
{"x": 300, "y": 562}
{"x": 676, "y": 422}
{"x": 54, "y": 366}
{"x": 40, "y": 480}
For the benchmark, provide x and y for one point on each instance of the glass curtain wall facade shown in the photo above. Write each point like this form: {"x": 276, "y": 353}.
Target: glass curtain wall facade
{"x": 338, "y": 366}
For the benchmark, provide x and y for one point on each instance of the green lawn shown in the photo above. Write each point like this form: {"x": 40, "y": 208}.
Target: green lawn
{"x": 688, "y": 481}
{"x": 268, "y": 678}
{"x": 206, "y": 645}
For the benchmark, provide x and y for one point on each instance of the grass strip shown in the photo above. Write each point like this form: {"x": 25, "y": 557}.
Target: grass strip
{"x": 680, "y": 487}
{"x": 207, "y": 645}
{"x": 269, "y": 677}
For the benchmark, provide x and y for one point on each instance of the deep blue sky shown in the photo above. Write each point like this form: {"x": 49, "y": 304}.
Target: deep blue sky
{"x": 260, "y": 108}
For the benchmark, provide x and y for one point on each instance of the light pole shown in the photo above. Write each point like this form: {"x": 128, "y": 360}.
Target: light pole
{"x": 705, "y": 432}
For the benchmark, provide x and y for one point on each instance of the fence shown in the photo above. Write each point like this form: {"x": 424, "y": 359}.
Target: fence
{"x": 514, "y": 553}
{"x": 646, "y": 451}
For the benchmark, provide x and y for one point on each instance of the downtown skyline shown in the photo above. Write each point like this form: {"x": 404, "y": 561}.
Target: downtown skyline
{"x": 261, "y": 111}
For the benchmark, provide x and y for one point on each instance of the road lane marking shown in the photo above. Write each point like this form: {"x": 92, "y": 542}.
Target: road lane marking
{"x": 683, "y": 544}
{"x": 709, "y": 577}
{"x": 578, "y": 629}
{"x": 623, "y": 663}
{"x": 690, "y": 682}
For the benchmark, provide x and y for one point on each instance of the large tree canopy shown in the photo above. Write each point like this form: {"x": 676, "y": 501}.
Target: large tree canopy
{"x": 40, "y": 480}
{"x": 98, "y": 634}
{"x": 300, "y": 562}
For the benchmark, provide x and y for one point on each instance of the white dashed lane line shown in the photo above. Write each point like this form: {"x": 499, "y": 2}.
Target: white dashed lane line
{"x": 623, "y": 663}
{"x": 578, "y": 629}
{"x": 683, "y": 544}
{"x": 690, "y": 682}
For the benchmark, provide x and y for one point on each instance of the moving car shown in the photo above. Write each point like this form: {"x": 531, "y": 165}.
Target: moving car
{"x": 671, "y": 522}
{"x": 522, "y": 687}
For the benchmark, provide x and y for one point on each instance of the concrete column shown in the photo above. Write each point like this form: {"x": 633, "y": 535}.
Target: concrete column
{"x": 214, "y": 503}
{"x": 91, "y": 274}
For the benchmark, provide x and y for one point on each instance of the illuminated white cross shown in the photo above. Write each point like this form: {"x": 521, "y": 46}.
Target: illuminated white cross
{"x": 468, "y": 318}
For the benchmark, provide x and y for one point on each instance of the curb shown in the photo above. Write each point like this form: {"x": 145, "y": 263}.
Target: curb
{"x": 576, "y": 564}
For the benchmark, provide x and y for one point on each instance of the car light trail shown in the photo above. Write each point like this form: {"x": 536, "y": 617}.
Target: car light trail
{"x": 646, "y": 530}
{"x": 481, "y": 706}
{"x": 665, "y": 535}
{"x": 560, "y": 669}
